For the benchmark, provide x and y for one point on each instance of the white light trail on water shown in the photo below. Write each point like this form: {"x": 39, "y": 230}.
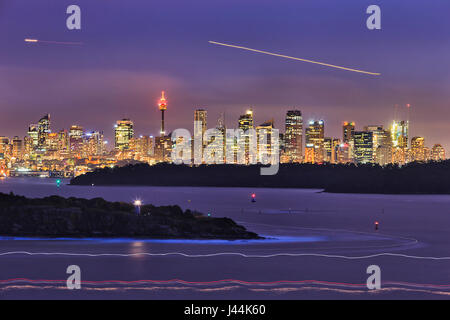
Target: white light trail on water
{"x": 218, "y": 254}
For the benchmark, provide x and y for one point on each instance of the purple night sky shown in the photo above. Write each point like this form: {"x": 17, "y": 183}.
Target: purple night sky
{"x": 134, "y": 49}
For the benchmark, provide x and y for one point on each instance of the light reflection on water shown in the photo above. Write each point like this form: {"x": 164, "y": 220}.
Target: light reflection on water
{"x": 139, "y": 242}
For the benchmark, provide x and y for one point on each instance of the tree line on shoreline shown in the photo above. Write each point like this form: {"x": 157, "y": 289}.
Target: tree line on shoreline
{"x": 412, "y": 178}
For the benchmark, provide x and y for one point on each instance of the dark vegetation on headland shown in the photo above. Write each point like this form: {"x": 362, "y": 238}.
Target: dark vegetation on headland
{"x": 413, "y": 178}
{"x": 73, "y": 217}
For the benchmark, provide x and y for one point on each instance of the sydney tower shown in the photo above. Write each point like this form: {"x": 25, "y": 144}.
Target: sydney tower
{"x": 163, "y": 107}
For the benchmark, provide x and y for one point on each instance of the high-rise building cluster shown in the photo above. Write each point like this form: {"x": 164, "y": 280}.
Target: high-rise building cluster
{"x": 75, "y": 151}
{"x": 372, "y": 144}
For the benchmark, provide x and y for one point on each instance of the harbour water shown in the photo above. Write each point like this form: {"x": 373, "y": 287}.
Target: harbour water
{"x": 317, "y": 245}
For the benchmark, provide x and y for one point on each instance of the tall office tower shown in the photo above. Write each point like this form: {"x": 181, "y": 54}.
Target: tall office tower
{"x": 200, "y": 123}
{"x": 76, "y": 140}
{"x": 246, "y": 120}
{"x": 123, "y": 133}
{"x": 315, "y": 135}
{"x": 363, "y": 147}
{"x": 43, "y": 131}
{"x": 427, "y": 154}
{"x": 309, "y": 153}
{"x": 33, "y": 133}
{"x": 331, "y": 146}
{"x": 17, "y": 148}
{"x": 4, "y": 148}
{"x": 383, "y": 154}
{"x": 142, "y": 147}
{"x": 437, "y": 153}
{"x": 344, "y": 153}
{"x": 400, "y": 155}
{"x": 293, "y": 136}
{"x": 348, "y": 130}
{"x": 199, "y": 134}
{"x": 327, "y": 149}
{"x": 51, "y": 142}
{"x": 222, "y": 129}
{"x": 379, "y": 135}
{"x": 93, "y": 144}
{"x": 418, "y": 149}
{"x": 264, "y": 148}
{"x": 27, "y": 148}
{"x": 336, "y": 145}
{"x": 63, "y": 141}
{"x": 246, "y": 124}
{"x": 216, "y": 144}
{"x": 399, "y": 134}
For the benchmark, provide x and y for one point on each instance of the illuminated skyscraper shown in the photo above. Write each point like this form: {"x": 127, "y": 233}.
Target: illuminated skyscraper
{"x": 93, "y": 144}
{"x": 200, "y": 122}
{"x": 264, "y": 133}
{"x": 17, "y": 148}
{"x": 293, "y": 136}
{"x": 344, "y": 153}
{"x": 437, "y": 153}
{"x": 34, "y": 135}
{"x": 383, "y": 154}
{"x": 123, "y": 133}
{"x": 363, "y": 147}
{"x": 4, "y": 148}
{"x": 246, "y": 124}
{"x": 51, "y": 143}
{"x": 418, "y": 149}
{"x": 315, "y": 135}
{"x": 331, "y": 146}
{"x": 380, "y": 137}
{"x": 199, "y": 133}
{"x": 427, "y": 152}
{"x": 399, "y": 134}
{"x": 246, "y": 120}
{"x": 309, "y": 153}
{"x": 221, "y": 146}
{"x": 63, "y": 141}
{"x": 43, "y": 131}
{"x": 142, "y": 147}
{"x": 76, "y": 140}
{"x": 348, "y": 130}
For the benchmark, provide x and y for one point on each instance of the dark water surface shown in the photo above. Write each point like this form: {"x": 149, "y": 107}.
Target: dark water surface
{"x": 325, "y": 240}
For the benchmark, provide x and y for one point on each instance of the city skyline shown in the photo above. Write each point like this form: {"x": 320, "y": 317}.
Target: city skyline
{"x": 234, "y": 124}
{"x": 370, "y": 144}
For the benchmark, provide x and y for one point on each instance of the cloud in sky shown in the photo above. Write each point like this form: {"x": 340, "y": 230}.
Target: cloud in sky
{"x": 132, "y": 52}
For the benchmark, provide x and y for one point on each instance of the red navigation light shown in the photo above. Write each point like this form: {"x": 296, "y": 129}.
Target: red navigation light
{"x": 162, "y": 102}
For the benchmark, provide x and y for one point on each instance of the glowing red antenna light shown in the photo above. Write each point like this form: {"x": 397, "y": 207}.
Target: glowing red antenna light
{"x": 162, "y": 105}
{"x": 162, "y": 102}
